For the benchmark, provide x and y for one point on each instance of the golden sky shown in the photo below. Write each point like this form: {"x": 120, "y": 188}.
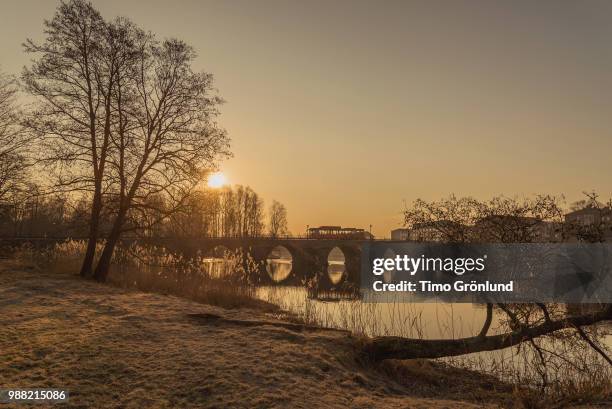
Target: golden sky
{"x": 343, "y": 110}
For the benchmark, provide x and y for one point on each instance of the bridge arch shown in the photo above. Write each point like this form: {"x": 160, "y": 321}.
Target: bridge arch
{"x": 279, "y": 263}
{"x": 310, "y": 258}
{"x": 336, "y": 265}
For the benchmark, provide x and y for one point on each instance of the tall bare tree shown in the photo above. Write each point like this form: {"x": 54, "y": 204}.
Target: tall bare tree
{"x": 234, "y": 211}
{"x": 73, "y": 77}
{"x": 164, "y": 134}
{"x": 12, "y": 141}
{"x": 278, "y": 219}
{"x": 241, "y": 212}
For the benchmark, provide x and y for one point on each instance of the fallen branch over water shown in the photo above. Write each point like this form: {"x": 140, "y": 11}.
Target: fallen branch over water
{"x": 388, "y": 347}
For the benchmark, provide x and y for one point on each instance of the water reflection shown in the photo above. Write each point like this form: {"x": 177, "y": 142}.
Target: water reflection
{"x": 217, "y": 264}
{"x": 410, "y": 320}
{"x": 279, "y": 264}
{"x": 389, "y": 273}
{"x": 336, "y": 268}
{"x": 413, "y": 320}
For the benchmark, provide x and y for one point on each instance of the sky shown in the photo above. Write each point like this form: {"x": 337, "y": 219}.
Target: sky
{"x": 346, "y": 111}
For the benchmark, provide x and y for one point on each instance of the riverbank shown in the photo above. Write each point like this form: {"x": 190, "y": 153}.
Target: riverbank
{"x": 112, "y": 347}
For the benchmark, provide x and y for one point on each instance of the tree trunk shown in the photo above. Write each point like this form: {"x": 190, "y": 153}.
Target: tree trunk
{"x": 94, "y": 225}
{"x": 103, "y": 267}
{"x": 381, "y": 348}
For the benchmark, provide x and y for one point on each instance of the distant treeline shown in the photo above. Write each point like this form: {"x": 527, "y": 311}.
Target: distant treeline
{"x": 235, "y": 211}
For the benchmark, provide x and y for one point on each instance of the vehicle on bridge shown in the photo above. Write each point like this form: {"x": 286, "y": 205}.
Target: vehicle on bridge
{"x": 339, "y": 233}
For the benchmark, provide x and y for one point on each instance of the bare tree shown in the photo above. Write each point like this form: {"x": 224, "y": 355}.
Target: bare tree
{"x": 73, "y": 77}
{"x": 163, "y": 135}
{"x": 252, "y": 211}
{"x": 12, "y": 141}
{"x": 278, "y": 219}
{"x": 199, "y": 218}
{"x": 505, "y": 220}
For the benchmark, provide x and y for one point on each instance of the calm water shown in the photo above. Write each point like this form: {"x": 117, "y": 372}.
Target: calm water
{"x": 430, "y": 321}
{"x": 414, "y": 320}
{"x": 411, "y": 320}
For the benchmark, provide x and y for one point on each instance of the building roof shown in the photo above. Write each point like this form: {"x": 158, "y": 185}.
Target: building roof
{"x": 326, "y": 228}
{"x": 347, "y": 229}
{"x": 589, "y": 210}
{"x": 436, "y": 224}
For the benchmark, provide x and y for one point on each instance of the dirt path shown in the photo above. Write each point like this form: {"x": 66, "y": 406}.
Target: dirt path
{"x": 115, "y": 348}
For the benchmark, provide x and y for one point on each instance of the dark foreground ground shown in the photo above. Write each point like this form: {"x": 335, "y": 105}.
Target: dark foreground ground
{"x": 115, "y": 348}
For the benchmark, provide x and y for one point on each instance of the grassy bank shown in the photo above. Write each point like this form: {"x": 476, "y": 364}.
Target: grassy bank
{"x": 65, "y": 331}
{"x": 114, "y": 347}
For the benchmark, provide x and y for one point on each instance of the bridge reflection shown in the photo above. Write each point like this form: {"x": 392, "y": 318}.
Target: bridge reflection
{"x": 336, "y": 266}
{"x": 279, "y": 264}
{"x": 331, "y": 263}
{"x": 215, "y": 263}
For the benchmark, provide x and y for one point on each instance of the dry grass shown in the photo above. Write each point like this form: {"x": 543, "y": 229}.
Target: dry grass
{"x": 113, "y": 347}
{"x": 593, "y": 392}
{"x": 429, "y": 377}
{"x": 569, "y": 364}
{"x": 153, "y": 270}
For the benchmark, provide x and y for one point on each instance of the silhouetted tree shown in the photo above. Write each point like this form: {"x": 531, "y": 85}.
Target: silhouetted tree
{"x": 121, "y": 118}
{"x": 12, "y": 142}
{"x": 199, "y": 217}
{"x": 73, "y": 78}
{"x": 164, "y": 136}
{"x": 500, "y": 220}
{"x": 278, "y": 219}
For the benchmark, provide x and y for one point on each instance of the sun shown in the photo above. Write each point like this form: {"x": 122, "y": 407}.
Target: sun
{"x": 216, "y": 180}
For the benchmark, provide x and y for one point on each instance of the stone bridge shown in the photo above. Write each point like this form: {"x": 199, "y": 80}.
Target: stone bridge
{"x": 309, "y": 258}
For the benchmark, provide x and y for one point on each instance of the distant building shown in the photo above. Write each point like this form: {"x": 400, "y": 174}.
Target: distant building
{"x": 549, "y": 232}
{"x": 338, "y": 232}
{"x": 400, "y": 234}
{"x": 521, "y": 229}
{"x": 489, "y": 229}
{"x": 505, "y": 228}
{"x": 589, "y": 224}
{"x": 589, "y": 216}
{"x": 439, "y": 230}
